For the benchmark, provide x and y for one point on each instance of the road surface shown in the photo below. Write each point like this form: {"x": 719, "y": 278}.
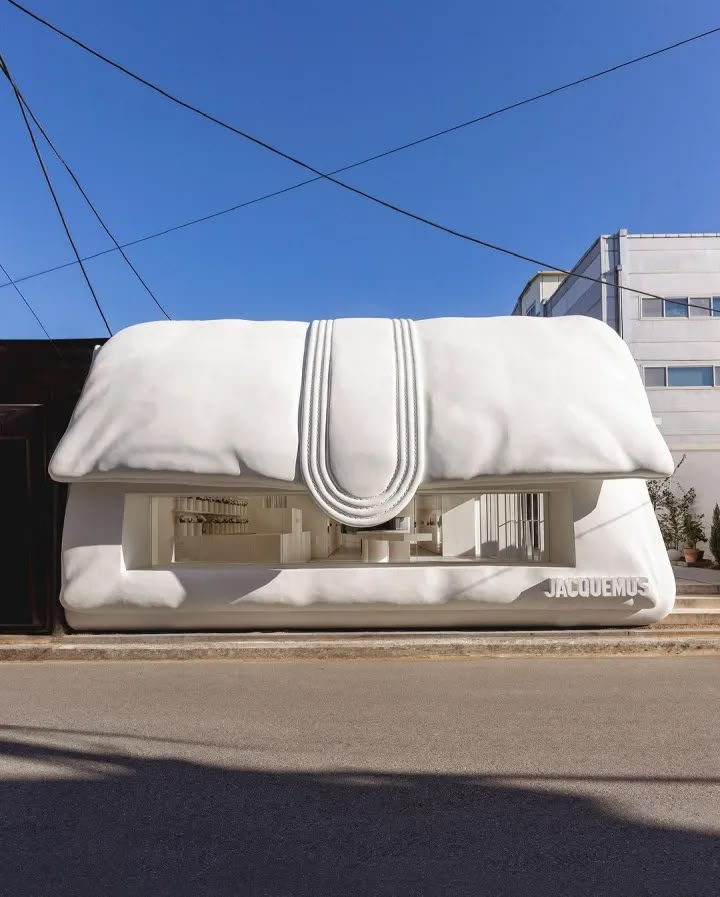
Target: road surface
{"x": 488, "y": 778}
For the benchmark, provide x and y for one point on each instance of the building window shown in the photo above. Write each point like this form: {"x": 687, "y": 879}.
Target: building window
{"x": 682, "y": 307}
{"x": 655, "y": 377}
{"x": 681, "y": 375}
{"x": 690, "y": 376}
{"x": 700, "y": 308}
{"x": 652, "y": 308}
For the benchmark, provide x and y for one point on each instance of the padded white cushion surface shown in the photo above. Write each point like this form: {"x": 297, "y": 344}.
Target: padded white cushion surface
{"x": 383, "y": 405}
{"x": 522, "y": 395}
{"x": 216, "y": 398}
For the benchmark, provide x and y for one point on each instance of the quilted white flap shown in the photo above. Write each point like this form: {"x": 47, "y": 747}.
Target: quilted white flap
{"x": 362, "y": 410}
{"x": 514, "y": 396}
{"x": 215, "y": 399}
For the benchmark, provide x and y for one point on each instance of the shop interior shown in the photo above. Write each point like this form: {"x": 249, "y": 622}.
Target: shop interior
{"x": 289, "y": 529}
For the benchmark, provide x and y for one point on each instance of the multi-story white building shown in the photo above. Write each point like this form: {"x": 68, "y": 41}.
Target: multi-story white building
{"x": 675, "y": 339}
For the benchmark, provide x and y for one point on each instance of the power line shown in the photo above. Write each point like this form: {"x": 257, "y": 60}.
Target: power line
{"x": 32, "y": 311}
{"x": 82, "y": 191}
{"x": 167, "y": 230}
{"x": 38, "y": 155}
{"x": 328, "y": 177}
{"x": 94, "y": 210}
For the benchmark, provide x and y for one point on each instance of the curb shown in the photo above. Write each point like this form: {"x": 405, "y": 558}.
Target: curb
{"x": 690, "y": 589}
{"x": 365, "y": 646}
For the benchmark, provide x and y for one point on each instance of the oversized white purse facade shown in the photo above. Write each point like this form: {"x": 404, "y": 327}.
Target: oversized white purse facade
{"x": 363, "y": 472}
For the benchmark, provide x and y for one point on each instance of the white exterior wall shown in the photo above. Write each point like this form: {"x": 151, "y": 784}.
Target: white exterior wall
{"x": 581, "y": 297}
{"x": 538, "y": 290}
{"x": 667, "y": 265}
{"x": 688, "y": 417}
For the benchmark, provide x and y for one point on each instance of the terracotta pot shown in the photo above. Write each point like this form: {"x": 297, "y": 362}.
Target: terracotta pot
{"x": 692, "y": 555}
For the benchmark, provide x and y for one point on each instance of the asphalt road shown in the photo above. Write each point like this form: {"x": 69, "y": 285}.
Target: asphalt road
{"x": 588, "y": 778}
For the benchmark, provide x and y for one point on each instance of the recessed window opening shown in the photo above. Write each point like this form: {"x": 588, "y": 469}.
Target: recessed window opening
{"x": 682, "y": 375}
{"x": 681, "y": 307}
{"x": 289, "y": 529}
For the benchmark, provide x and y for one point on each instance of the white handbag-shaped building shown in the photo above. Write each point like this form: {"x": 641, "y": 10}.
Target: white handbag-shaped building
{"x": 363, "y": 472}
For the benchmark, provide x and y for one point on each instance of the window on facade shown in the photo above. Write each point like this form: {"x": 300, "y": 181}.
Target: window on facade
{"x": 682, "y": 307}
{"x": 655, "y": 377}
{"x": 700, "y": 308}
{"x": 677, "y": 307}
{"x": 508, "y": 527}
{"x": 652, "y": 308}
{"x": 690, "y": 376}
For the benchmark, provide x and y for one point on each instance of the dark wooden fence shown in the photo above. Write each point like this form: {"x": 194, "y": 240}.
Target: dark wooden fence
{"x": 39, "y": 385}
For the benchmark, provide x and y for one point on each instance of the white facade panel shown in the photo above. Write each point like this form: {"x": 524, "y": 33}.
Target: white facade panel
{"x": 576, "y": 296}
{"x": 672, "y": 266}
{"x": 676, "y": 266}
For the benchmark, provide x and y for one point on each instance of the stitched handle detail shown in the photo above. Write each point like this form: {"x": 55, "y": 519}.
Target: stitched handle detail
{"x": 358, "y": 510}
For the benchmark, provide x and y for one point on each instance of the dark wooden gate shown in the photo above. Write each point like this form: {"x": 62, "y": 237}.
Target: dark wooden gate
{"x": 26, "y": 511}
{"x": 39, "y": 385}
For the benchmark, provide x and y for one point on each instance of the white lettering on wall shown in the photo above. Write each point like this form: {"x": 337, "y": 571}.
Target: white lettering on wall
{"x": 598, "y": 587}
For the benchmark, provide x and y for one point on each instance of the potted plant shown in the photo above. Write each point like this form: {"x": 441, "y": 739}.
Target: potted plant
{"x": 668, "y": 510}
{"x": 679, "y": 524}
{"x": 693, "y": 532}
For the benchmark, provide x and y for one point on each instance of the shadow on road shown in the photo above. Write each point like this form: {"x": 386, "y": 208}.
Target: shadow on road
{"x": 100, "y": 821}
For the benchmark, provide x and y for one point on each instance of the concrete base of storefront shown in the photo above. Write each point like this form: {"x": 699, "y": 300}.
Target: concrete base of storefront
{"x": 693, "y": 627}
{"x": 279, "y": 647}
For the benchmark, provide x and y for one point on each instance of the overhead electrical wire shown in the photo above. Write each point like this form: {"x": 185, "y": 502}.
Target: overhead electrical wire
{"x": 48, "y": 181}
{"x": 329, "y": 177}
{"x": 29, "y": 307}
{"x": 94, "y": 210}
{"x": 77, "y": 183}
{"x": 449, "y": 130}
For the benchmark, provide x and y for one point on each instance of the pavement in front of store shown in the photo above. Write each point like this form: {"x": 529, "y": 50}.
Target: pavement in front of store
{"x": 501, "y": 777}
{"x": 699, "y": 575}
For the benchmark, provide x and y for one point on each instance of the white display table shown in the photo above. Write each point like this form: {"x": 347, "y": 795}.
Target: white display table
{"x": 384, "y": 546}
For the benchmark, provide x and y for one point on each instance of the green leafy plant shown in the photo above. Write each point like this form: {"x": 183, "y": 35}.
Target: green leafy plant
{"x": 673, "y": 505}
{"x": 667, "y": 510}
{"x": 714, "y": 541}
{"x": 692, "y": 529}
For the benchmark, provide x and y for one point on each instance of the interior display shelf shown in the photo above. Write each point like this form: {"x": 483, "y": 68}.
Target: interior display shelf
{"x": 210, "y": 514}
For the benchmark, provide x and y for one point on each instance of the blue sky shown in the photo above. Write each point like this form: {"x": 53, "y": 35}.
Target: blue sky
{"x": 332, "y": 83}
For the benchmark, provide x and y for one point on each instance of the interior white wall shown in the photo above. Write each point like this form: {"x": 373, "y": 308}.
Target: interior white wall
{"x": 136, "y": 538}
{"x": 163, "y": 529}
{"x": 323, "y": 539}
{"x": 458, "y": 524}
{"x": 560, "y": 516}
{"x": 267, "y": 520}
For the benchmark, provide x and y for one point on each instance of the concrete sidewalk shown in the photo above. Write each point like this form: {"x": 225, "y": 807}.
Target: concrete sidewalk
{"x": 283, "y": 647}
{"x": 705, "y": 576}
